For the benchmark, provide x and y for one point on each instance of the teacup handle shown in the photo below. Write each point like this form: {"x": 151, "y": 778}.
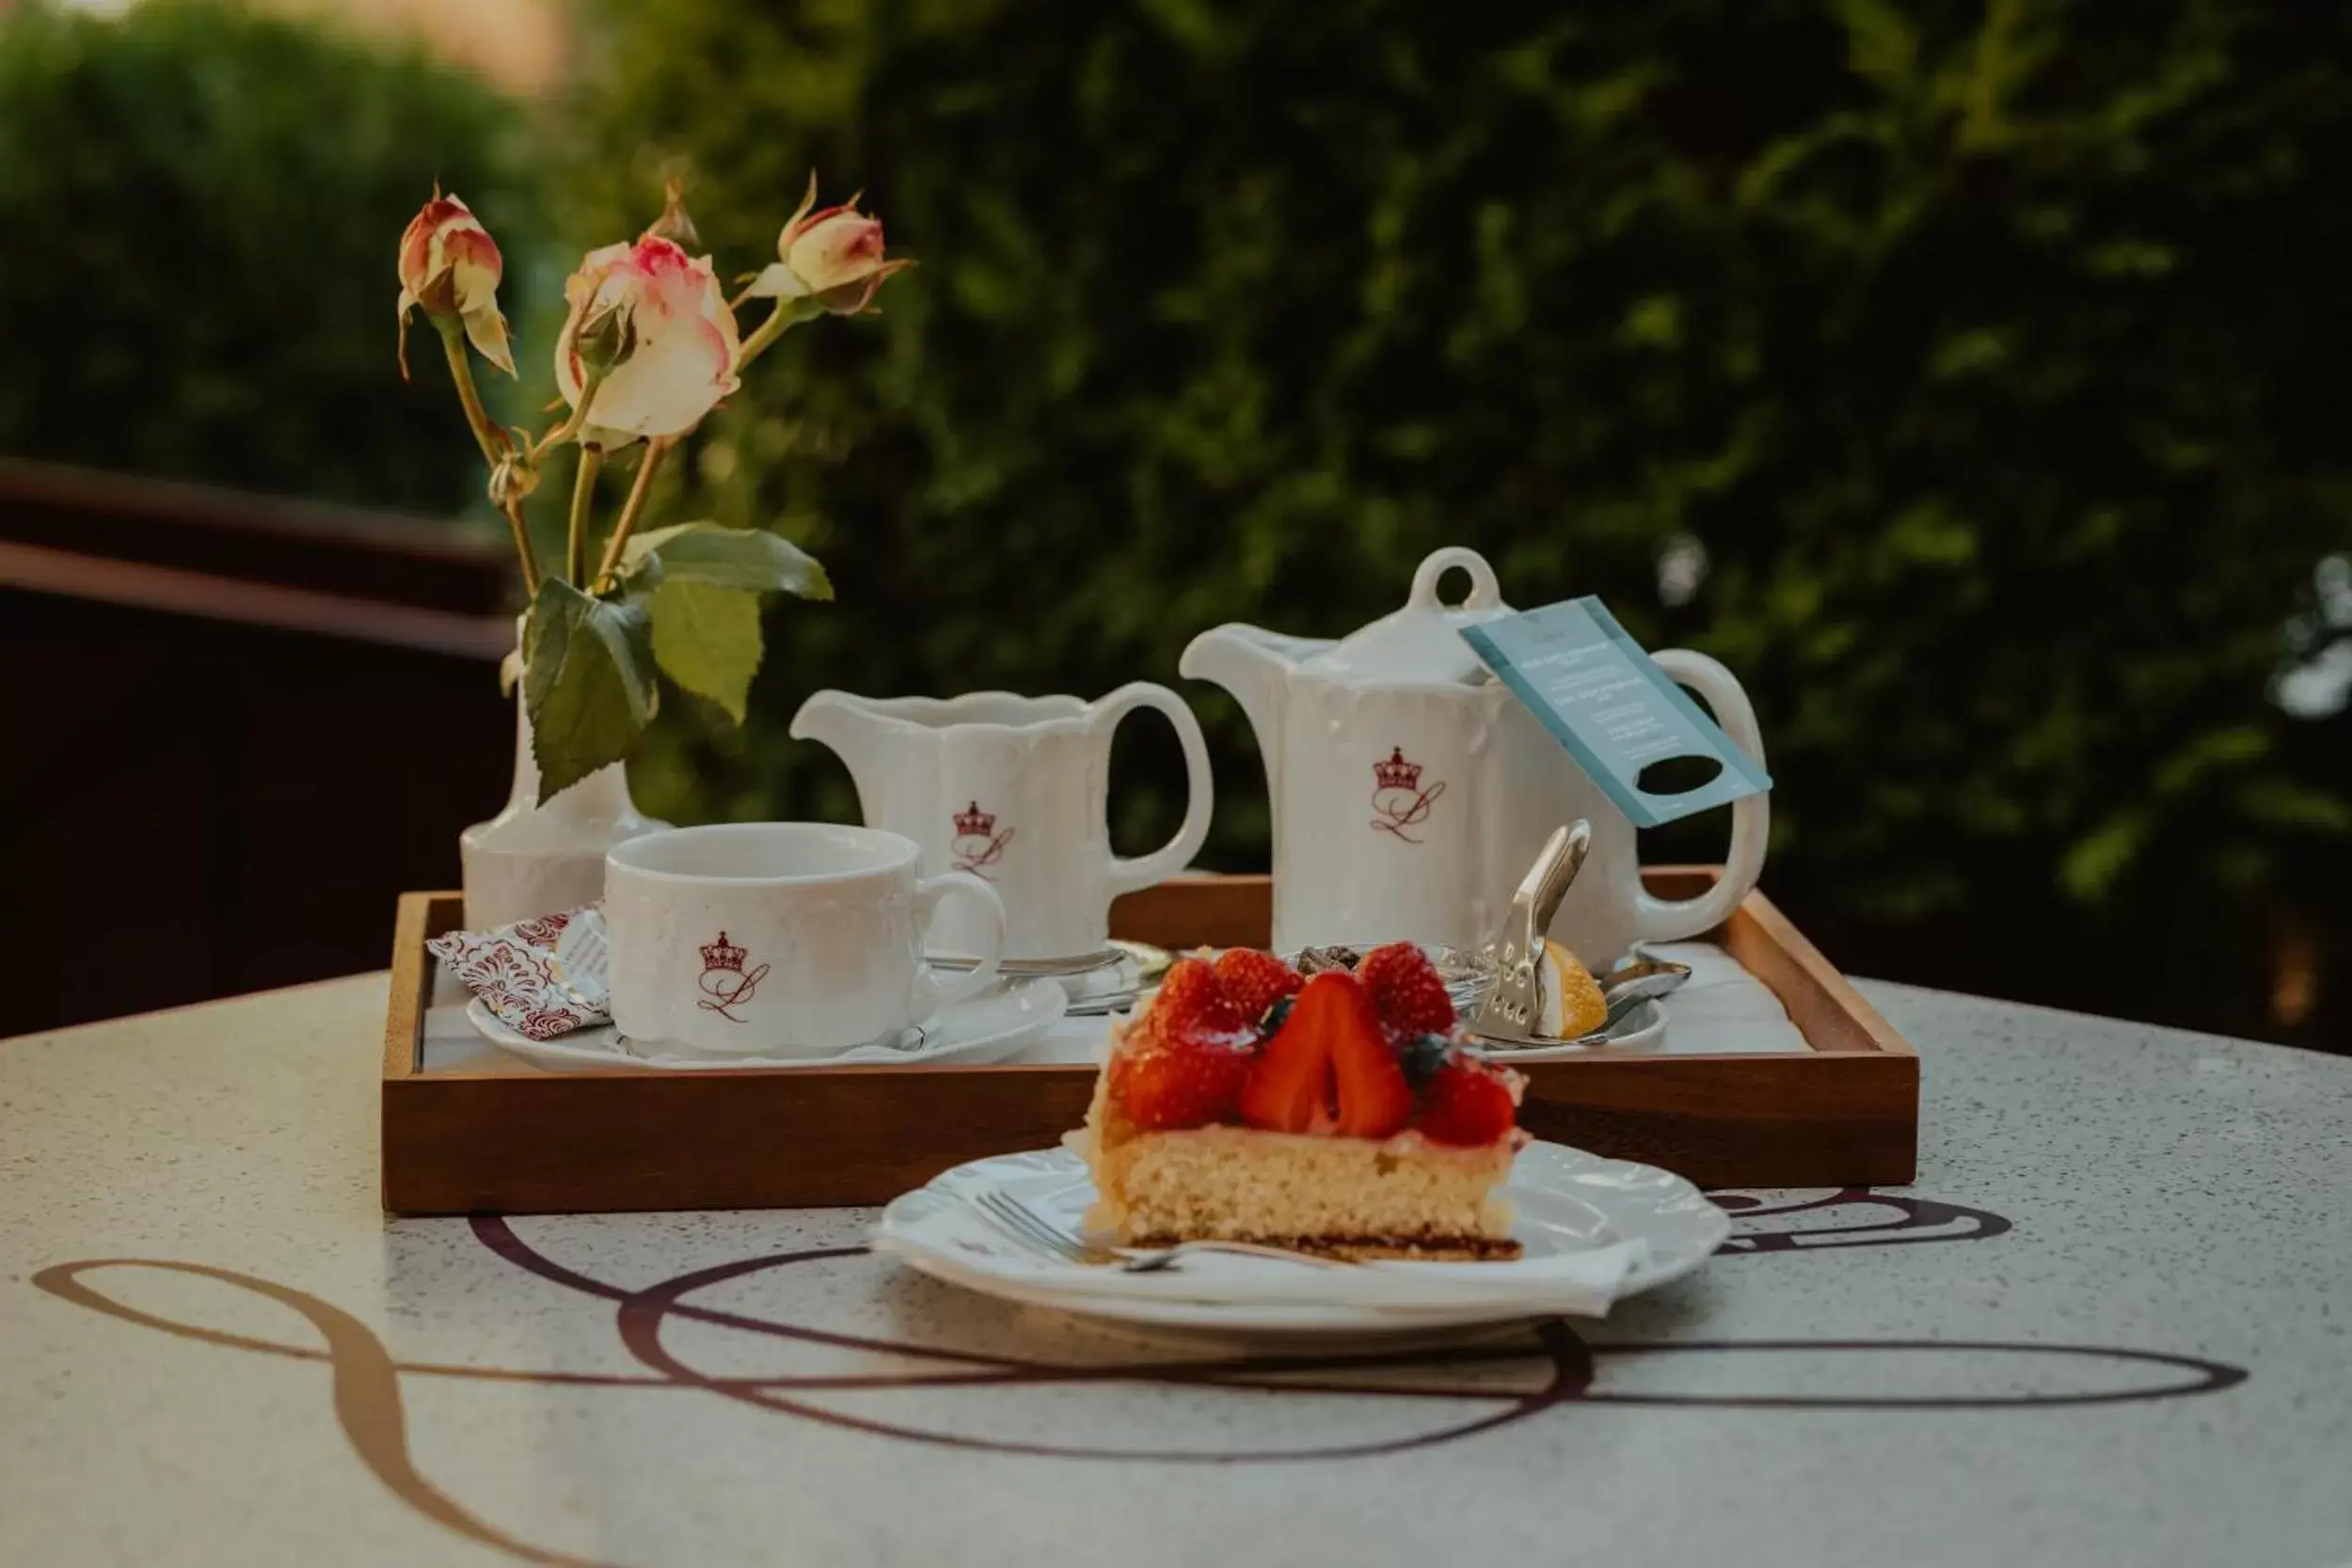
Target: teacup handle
{"x": 1674, "y": 919}
{"x": 934, "y": 989}
{"x": 1142, "y": 871}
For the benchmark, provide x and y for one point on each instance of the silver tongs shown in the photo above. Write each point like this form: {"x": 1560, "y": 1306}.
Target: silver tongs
{"x": 1511, "y": 1009}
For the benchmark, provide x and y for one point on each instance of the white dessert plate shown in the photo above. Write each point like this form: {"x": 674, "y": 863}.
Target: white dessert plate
{"x": 985, "y": 1029}
{"x": 1580, "y": 1219}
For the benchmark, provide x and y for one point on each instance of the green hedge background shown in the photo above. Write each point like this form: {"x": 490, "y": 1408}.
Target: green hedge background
{"x": 1990, "y": 355}
{"x": 1986, "y": 355}
{"x": 202, "y": 206}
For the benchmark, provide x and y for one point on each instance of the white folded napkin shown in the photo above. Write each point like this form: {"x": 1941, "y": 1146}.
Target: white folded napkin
{"x": 1584, "y": 1282}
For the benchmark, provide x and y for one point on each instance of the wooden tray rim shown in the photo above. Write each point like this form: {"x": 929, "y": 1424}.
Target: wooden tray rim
{"x": 423, "y": 915}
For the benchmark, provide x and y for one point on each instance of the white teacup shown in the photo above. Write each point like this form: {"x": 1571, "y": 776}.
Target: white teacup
{"x": 788, "y": 939}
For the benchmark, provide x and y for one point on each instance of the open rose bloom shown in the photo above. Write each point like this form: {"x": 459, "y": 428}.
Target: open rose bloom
{"x": 832, "y": 257}
{"x": 449, "y": 267}
{"x": 682, "y": 337}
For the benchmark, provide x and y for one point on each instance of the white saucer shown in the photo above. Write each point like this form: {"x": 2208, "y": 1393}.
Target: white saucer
{"x": 1570, "y": 1207}
{"x": 985, "y": 1029}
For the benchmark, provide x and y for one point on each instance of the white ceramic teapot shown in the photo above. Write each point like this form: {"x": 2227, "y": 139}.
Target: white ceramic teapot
{"x": 1412, "y": 790}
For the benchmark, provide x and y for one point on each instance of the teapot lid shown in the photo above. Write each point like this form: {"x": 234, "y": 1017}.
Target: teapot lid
{"x": 1422, "y": 642}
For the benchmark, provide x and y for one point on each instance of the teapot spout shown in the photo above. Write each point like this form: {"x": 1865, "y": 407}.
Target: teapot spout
{"x": 1255, "y": 666}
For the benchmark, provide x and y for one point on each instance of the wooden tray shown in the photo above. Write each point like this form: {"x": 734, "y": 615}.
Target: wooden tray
{"x": 508, "y": 1138}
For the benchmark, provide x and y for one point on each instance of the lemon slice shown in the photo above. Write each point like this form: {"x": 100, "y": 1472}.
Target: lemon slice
{"x": 1572, "y": 1002}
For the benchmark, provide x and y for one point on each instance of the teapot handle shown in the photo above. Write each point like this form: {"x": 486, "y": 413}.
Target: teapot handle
{"x": 1144, "y": 871}
{"x": 1483, "y": 588}
{"x": 1674, "y": 919}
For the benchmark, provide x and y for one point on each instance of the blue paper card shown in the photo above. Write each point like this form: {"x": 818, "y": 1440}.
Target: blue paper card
{"x": 1612, "y": 706}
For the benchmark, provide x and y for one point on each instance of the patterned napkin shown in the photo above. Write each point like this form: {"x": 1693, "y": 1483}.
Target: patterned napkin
{"x": 541, "y": 978}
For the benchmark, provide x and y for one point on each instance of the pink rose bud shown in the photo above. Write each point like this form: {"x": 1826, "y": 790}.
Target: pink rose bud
{"x": 674, "y": 222}
{"x": 450, "y": 268}
{"x": 606, "y": 340}
{"x": 656, "y": 321}
{"x": 833, "y": 257}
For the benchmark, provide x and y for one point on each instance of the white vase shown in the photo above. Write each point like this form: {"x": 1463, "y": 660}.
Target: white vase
{"x": 532, "y": 860}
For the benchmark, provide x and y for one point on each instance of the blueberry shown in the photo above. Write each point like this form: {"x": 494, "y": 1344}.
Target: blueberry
{"x": 1422, "y": 1056}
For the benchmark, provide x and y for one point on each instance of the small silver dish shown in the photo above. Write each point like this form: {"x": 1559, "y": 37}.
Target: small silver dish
{"x": 1467, "y": 975}
{"x": 1117, "y": 987}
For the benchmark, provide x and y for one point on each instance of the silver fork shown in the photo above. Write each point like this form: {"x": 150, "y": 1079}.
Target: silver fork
{"x": 1033, "y": 1230}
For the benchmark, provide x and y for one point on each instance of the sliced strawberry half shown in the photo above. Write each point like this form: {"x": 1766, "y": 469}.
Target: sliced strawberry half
{"x": 1289, "y": 1089}
{"x": 1328, "y": 1068}
{"x": 1374, "y": 1099}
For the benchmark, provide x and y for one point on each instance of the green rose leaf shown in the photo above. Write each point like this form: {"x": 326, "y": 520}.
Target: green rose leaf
{"x": 706, "y": 638}
{"x": 748, "y": 559}
{"x": 588, "y": 682}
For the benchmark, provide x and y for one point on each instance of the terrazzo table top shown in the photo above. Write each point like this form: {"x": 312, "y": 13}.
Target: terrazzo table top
{"x": 2112, "y": 1324}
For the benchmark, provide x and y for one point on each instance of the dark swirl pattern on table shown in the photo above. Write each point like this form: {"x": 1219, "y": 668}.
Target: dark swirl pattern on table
{"x": 1558, "y": 1367}
{"x": 1913, "y": 1220}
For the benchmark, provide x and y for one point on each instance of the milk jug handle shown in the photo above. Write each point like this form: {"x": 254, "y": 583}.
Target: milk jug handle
{"x": 1674, "y": 919}
{"x": 1142, "y": 871}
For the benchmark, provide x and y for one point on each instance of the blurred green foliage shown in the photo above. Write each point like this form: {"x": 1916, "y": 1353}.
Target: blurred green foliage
{"x": 203, "y": 207}
{"x": 1987, "y": 355}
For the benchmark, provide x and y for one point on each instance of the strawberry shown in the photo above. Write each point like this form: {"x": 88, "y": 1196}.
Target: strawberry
{"x": 1374, "y": 1099}
{"x": 1406, "y": 990}
{"x": 1328, "y": 1067}
{"x": 1166, "y": 1084}
{"x": 1253, "y": 981}
{"x": 1191, "y": 1006}
{"x": 1468, "y": 1102}
{"x": 1289, "y": 1085}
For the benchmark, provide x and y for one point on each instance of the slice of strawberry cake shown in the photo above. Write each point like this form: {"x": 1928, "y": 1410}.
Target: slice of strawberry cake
{"x": 1338, "y": 1113}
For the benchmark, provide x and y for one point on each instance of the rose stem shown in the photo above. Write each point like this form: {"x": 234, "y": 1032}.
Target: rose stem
{"x": 583, "y": 501}
{"x": 461, "y": 371}
{"x": 655, "y": 447}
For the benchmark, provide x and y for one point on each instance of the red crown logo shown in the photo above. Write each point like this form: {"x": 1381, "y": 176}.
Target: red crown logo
{"x": 722, "y": 955}
{"x": 975, "y": 823}
{"x": 1396, "y": 774}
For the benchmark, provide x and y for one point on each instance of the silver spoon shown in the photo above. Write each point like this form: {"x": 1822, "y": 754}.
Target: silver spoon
{"x": 1641, "y": 980}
